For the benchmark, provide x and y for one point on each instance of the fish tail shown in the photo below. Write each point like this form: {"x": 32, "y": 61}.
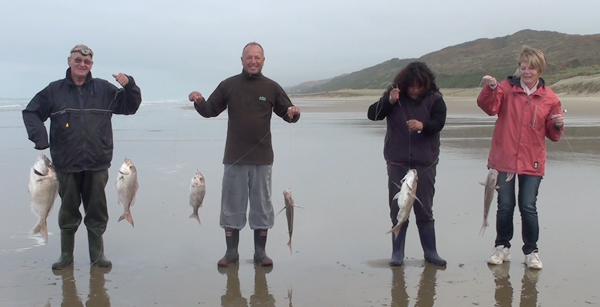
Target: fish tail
{"x": 127, "y": 216}
{"x": 42, "y": 228}
{"x": 395, "y": 230}
{"x": 196, "y": 216}
{"x": 483, "y": 227}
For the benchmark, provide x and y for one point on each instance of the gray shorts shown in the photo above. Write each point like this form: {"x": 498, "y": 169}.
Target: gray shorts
{"x": 243, "y": 182}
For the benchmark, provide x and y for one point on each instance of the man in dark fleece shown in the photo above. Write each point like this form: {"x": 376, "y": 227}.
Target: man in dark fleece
{"x": 250, "y": 99}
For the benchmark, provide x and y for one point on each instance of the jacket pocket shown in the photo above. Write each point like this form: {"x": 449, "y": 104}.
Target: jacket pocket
{"x": 60, "y": 127}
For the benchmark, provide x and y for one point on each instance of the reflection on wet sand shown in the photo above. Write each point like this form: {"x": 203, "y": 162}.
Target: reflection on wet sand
{"x": 233, "y": 294}
{"x": 97, "y": 297}
{"x": 69, "y": 289}
{"x": 399, "y": 295}
{"x": 529, "y": 292}
{"x": 426, "y": 291}
{"x": 261, "y": 296}
{"x": 504, "y": 289}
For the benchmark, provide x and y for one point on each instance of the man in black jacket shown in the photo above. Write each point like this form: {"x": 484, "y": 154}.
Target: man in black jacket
{"x": 80, "y": 109}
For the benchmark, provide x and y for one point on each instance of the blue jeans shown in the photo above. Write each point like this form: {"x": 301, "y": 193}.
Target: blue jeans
{"x": 527, "y": 197}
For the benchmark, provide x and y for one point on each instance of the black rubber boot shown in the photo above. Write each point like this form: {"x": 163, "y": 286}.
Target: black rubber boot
{"x": 96, "y": 247}
{"x": 260, "y": 241}
{"x": 398, "y": 244}
{"x": 427, "y": 235}
{"x": 67, "y": 244}
{"x": 232, "y": 238}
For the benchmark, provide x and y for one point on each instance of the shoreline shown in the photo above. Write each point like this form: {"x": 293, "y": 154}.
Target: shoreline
{"x": 351, "y": 94}
{"x": 459, "y": 101}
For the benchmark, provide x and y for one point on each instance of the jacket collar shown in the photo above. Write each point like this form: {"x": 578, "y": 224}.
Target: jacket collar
{"x": 88, "y": 78}
{"x": 249, "y": 76}
{"x": 516, "y": 81}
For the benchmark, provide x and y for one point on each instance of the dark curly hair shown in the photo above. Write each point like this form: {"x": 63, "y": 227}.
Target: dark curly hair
{"x": 415, "y": 73}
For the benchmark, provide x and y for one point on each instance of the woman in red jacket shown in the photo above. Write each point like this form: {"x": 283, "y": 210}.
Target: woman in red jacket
{"x": 528, "y": 112}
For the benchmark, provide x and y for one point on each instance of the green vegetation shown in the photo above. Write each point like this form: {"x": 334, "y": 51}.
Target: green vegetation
{"x": 462, "y": 66}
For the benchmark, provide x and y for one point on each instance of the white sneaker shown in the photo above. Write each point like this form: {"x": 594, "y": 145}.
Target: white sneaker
{"x": 532, "y": 261}
{"x": 500, "y": 255}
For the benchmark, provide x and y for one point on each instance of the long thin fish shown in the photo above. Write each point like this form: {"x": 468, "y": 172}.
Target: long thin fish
{"x": 289, "y": 213}
{"x": 488, "y": 195}
{"x": 405, "y": 198}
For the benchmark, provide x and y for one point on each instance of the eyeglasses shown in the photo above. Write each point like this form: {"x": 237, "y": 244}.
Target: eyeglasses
{"x": 86, "y": 61}
{"x": 83, "y": 51}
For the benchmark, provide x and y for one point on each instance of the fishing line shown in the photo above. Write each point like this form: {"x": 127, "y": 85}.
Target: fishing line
{"x": 253, "y": 147}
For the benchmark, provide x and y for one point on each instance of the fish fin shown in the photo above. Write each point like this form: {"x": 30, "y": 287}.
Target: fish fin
{"x": 196, "y": 216}
{"x": 510, "y": 177}
{"x": 483, "y": 227}
{"x": 40, "y": 228}
{"x": 280, "y": 211}
{"x": 399, "y": 187}
{"x": 127, "y": 216}
{"x": 290, "y": 246}
{"x": 483, "y": 184}
{"x": 496, "y": 187}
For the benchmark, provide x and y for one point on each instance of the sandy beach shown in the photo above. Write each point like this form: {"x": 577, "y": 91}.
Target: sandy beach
{"x": 332, "y": 161}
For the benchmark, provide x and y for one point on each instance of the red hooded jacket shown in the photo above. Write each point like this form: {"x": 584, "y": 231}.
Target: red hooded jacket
{"x": 524, "y": 121}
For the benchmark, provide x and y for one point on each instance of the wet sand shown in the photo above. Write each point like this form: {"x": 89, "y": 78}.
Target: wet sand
{"x": 332, "y": 161}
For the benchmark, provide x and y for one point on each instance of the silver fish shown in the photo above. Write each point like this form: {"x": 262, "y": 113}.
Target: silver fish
{"x": 197, "y": 192}
{"x": 488, "y": 195}
{"x": 43, "y": 188}
{"x": 405, "y": 198}
{"x": 289, "y": 213}
{"x": 127, "y": 186}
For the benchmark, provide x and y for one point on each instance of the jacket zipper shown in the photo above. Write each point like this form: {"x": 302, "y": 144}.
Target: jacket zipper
{"x": 84, "y": 145}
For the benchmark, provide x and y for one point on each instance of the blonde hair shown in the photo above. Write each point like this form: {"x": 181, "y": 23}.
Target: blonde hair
{"x": 534, "y": 58}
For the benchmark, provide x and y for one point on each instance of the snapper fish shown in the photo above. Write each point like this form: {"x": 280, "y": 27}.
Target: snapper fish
{"x": 488, "y": 195}
{"x": 43, "y": 188}
{"x": 405, "y": 198}
{"x": 289, "y": 213}
{"x": 127, "y": 187}
{"x": 197, "y": 192}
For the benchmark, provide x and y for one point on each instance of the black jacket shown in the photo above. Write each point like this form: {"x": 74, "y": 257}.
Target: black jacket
{"x": 81, "y": 137}
{"x": 411, "y": 148}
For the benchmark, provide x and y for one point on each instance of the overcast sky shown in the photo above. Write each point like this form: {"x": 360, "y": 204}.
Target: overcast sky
{"x": 173, "y": 47}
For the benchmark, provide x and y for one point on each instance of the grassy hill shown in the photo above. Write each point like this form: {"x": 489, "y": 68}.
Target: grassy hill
{"x": 463, "y": 65}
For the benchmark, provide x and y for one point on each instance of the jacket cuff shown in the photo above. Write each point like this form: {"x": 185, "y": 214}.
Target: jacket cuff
{"x": 41, "y": 145}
